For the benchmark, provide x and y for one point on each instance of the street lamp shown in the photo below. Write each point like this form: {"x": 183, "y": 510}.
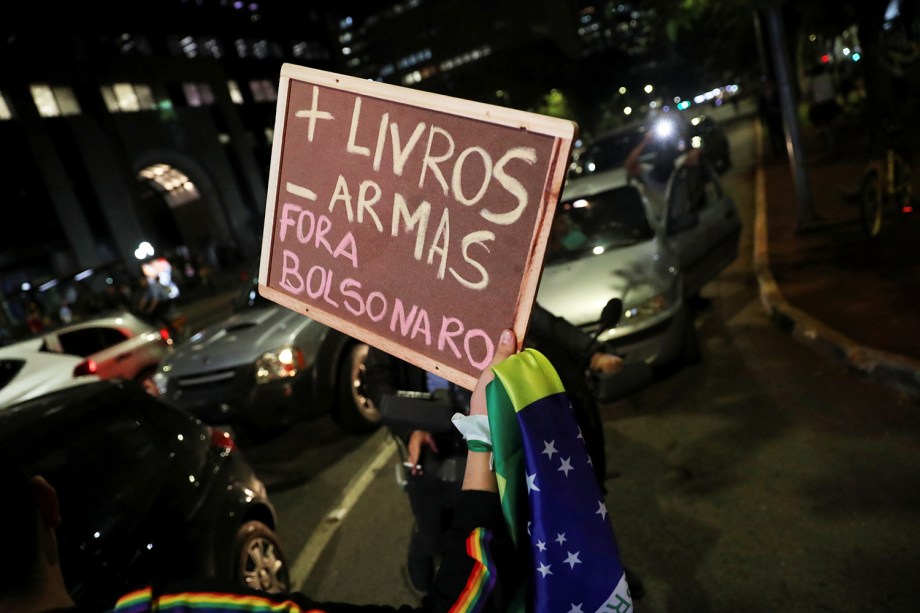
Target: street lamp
{"x": 648, "y": 89}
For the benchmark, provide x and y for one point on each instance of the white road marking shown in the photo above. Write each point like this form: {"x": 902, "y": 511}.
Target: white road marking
{"x": 312, "y": 550}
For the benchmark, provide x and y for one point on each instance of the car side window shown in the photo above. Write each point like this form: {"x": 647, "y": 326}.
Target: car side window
{"x": 693, "y": 188}
{"x": 87, "y": 341}
{"x": 104, "y": 476}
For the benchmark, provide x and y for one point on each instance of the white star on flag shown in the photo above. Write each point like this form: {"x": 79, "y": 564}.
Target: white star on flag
{"x": 544, "y": 570}
{"x": 532, "y": 483}
{"x": 576, "y": 608}
{"x": 601, "y": 509}
{"x": 566, "y": 466}
{"x": 549, "y": 448}
{"x": 541, "y": 545}
{"x": 572, "y": 560}
{"x": 560, "y": 538}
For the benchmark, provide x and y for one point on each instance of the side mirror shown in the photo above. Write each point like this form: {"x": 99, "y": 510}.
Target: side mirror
{"x": 611, "y": 314}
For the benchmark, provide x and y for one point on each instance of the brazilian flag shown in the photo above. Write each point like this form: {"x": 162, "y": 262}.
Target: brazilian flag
{"x": 552, "y": 503}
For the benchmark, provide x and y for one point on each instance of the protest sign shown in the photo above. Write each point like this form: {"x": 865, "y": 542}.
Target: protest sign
{"x": 412, "y": 221}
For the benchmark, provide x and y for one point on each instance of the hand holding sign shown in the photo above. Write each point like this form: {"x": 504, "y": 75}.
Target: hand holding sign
{"x": 412, "y": 221}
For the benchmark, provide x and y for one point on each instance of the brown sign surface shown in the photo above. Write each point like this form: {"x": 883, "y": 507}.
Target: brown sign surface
{"x": 412, "y": 221}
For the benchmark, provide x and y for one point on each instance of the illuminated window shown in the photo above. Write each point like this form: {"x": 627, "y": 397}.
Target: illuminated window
{"x": 198, "y": 94}
{"x": 263, "y": 90}
{"x": 235, "y": 94}
{"x": 127, "y": 99}
{"x": 145, "y": 98}
{"x": 4, "y": 109}
{"x": 54, "y": 101}
{"x": 192, "y": 94}
{"x": 171, "y": 183}
{"x": 108, "y": 96}
{"x": 44, "y": 101}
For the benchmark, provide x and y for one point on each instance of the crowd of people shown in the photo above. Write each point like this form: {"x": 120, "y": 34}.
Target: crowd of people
{"x": 150, "y": 290}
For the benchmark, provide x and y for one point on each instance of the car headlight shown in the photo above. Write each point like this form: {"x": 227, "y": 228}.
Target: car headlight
{"x": 283, "y": 362}
{"x": 645, "y": 309}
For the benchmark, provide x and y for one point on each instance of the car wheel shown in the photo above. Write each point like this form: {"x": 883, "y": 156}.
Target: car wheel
{"x": 356, "y": 412}
{"x": 260, "y": 562}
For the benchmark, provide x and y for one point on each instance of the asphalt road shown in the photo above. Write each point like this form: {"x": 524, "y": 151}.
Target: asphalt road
{"x": 763, "y": 478}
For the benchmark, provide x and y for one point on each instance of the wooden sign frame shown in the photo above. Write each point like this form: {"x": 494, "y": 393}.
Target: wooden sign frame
{"x": 412, "y": 221}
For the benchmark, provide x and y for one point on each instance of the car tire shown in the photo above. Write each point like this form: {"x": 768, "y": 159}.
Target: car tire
{"x": 356, "y": 413}
{"x": 260, "y": 563}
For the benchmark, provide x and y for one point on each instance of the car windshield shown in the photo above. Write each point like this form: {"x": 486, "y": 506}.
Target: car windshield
{"x": 609, "y": 152}
{"x": 612, "y": 219}
{"x": 249, "y": 296}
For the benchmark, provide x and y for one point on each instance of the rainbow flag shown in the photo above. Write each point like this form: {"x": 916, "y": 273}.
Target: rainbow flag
{"x": 553, "y": 506}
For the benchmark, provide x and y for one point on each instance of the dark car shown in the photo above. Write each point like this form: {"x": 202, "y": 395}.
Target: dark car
{"x": 266, "y": 367}
{"x": 146, "y": 491}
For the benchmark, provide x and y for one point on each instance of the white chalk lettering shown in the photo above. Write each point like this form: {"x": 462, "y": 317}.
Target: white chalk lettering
{"x": 381, "y": 139}
{"x": 400, "y": 156}
{"x": 457, "y": 178}
{"x": 512, "y": 185}
{"x": 442, "y": 234}
{"x": 342, "y": 194}
{"x": 351, "y": 147}
{"x": 410, "y": 220}
{"x": 474, "y": 238}
{"x": 299, "y": 190}
{"x": 368, "y": 195}
{"x": 313, "y": 114}
{"x": 431, "y": 161}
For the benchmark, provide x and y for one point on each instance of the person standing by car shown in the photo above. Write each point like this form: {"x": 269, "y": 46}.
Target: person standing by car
{"x": 771, "y": 117}
{"x": 656, "y": 173}
{"x": 478, "y": 572}
{"x": 432, "y": 499}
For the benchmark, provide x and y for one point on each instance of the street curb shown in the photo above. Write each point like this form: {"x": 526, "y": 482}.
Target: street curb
{"x": 899, "y": 372}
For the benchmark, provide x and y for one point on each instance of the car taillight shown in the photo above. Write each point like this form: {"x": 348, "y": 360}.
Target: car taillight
{"x": 164, "y": 334}
{"x": 86, "y": 367}
{"x": 222, "y": 440}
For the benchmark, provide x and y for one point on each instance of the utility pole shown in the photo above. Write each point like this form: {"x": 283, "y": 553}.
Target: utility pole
{"x": 806, "y": 214}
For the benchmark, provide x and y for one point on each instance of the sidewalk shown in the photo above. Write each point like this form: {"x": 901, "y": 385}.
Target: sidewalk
{"x": 851, "y": 299}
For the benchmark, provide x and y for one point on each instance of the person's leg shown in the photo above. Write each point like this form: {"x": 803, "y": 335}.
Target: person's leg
{"x": 426, "y": 533}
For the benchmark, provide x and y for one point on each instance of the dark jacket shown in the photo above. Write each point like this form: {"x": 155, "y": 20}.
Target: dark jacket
{"x": 569, "y": 349}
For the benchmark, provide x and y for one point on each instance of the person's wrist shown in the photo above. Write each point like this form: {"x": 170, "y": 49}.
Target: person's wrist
{"x": 479, "y": 474}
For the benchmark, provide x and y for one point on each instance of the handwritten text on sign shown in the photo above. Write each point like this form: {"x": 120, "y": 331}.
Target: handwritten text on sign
{"x": 412, "y": 221}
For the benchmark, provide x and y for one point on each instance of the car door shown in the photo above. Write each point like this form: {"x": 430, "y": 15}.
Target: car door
{"x": 703, "y": 226}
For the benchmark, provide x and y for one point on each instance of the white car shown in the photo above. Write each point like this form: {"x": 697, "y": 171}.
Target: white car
{"x": 651, "y": 254}
{"x": 27, "y": 372}
{"x": 117, "y": 346}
